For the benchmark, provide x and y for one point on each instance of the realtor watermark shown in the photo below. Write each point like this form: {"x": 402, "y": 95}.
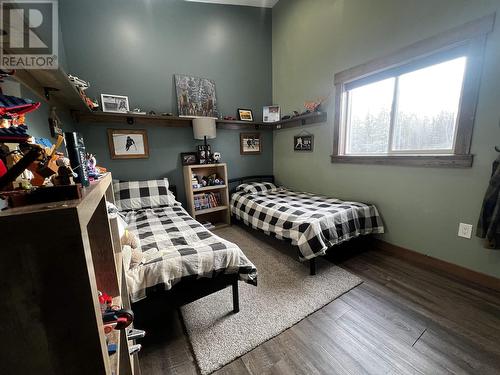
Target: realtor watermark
{"x": 29, "y": 34}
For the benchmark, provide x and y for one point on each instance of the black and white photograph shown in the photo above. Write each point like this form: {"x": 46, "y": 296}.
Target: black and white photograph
{"x": 250, "y": 143}
{"x": 128, "y": 144}
{"x": 204, "y": 154}
{"x": 303, "y": 142}
{"x": 189, "y": 158}
{"x": 271, "y": 113}
{"x": 195, "y": 96}
{"x": 114, "y": 103}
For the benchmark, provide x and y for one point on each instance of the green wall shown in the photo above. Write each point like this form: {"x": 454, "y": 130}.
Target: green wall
{"x": 134, "y": 48}
{"x": 421, "y": 207}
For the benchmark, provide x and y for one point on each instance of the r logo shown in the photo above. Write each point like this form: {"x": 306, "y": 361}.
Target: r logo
{"x": 30, "y": 38}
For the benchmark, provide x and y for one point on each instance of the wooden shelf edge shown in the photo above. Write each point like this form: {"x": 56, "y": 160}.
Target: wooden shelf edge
{"x": 100, "y": 118}
{"x": 209, "y": 188}
{"x": 209, "y": 210}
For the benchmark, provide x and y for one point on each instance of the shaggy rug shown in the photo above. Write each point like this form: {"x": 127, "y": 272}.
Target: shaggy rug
{"x": 285, "y": 295}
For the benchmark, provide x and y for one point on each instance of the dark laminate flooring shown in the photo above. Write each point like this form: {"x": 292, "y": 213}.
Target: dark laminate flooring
{"x": 402, "y": 320}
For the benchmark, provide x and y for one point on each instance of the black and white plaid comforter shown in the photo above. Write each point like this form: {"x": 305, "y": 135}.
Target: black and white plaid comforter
{"x": 177, "y": 246}
{"x": 312, "y": 222}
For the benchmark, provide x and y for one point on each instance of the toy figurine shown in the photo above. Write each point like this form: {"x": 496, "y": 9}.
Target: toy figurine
{"x": 65, "y": 174}
{"x": 216, "y": 157}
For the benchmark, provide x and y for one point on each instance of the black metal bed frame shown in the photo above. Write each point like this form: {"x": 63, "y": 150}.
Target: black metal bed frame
{"x": 234, "y": 182}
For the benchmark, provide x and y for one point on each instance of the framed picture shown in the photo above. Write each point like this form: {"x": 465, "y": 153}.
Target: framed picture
{"x": 189, "y": 158}
{"x": 303, "y": 142}
{"x": 250, "y": 144}
{"x": 245, "y": 115}
{"x": 271, "y": 113}
{"x": 195, "y": 96}
{"x": 204, "y": 154}
{"x": 128, "y": 144}
{"x": 114, "y": 103}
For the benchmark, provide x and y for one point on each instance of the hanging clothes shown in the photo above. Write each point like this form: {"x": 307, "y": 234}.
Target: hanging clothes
{"x": 488, "y": 226}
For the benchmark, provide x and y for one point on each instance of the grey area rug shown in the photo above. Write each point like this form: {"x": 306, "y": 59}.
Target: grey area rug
{"x": 285, "y": 295}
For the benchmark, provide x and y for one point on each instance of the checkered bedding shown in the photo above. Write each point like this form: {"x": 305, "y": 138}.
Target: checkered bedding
{"x": 314, "y": 223}
{"x": 175, "y": 246}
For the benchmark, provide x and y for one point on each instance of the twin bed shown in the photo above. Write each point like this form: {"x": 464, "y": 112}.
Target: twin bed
{"x": 313, "y": 223}
{"x": 184, "y": 260}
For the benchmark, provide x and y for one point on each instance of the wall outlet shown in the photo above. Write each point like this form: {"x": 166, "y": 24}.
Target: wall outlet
{"x": 465, "y": 230}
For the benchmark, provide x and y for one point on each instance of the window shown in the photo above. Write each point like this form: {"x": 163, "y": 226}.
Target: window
{"x": 416, "y": 107}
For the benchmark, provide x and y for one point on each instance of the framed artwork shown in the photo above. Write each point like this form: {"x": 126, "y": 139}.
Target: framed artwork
{"x": 303, "y": 142}
{"x": 128, "y": 144}
{"x": 245, "y": 114}
{"x": 250, "y": 143}
{"x": 189, "y": 158}
{"x": 195, "y": 96}
{"x": 271, "y": 113}
{"x": 204, "y": 154}
{"x": 114, "y": 103}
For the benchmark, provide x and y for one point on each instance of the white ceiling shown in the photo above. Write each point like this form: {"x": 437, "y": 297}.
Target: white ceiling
{"x": 249, "y": 3}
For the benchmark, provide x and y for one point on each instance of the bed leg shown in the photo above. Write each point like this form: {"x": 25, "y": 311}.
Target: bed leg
{"x": 312, "y": 266}
{"x": 236, "y": 297}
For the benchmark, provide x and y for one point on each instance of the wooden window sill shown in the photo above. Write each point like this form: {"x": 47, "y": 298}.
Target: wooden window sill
{"x": 436, "y": 161}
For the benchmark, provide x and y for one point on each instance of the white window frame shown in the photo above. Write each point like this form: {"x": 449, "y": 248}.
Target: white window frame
{"x": 468, "y": 40}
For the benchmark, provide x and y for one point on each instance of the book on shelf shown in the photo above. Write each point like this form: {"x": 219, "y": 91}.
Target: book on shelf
{"x": 207, "y": 200}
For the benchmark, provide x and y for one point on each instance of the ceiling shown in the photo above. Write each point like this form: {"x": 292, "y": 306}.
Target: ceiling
{"x": 249, "y": 3}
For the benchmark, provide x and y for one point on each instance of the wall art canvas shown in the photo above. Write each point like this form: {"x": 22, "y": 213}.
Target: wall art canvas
{"x": 195, "y": 96}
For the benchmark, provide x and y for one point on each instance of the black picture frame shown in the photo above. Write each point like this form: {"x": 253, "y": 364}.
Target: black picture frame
{"x": 204, "y": 154}
{"x": 245, "y": 115}
{"x": 189, "y": 158}
{"x": 303, "y": 143}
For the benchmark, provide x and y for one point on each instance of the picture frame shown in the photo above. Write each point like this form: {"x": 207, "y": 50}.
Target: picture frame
{"x": 204, "y": 154}
{"x": 189, "y": 158}
{"x": 271, "y": 113}
{"x": 128, "y": 144}
{"x": 196, "y": 96}
{"x": 245, "y": 115}
{"x": 250, "y": 144}
{"x": 114, "y": 103}
{"x": 303, "y": 142}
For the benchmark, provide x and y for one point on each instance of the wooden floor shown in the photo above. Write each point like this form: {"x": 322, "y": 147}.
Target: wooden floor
{"x": 402, "y": 320}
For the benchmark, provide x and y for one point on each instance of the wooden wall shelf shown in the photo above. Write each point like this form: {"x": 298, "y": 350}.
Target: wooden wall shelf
{"x": 182, "y": 122}
{"x": 53, "y": 87}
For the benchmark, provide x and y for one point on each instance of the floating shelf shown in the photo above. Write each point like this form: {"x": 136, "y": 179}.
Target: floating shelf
{"x": 184, "y": 122}
{"x": 52, "y": 86}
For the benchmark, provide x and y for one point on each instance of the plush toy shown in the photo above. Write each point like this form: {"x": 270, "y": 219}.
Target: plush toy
{"x": 129, "y": 239}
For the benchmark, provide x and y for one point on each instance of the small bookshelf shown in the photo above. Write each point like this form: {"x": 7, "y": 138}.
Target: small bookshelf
{"x": 207, "y": 203}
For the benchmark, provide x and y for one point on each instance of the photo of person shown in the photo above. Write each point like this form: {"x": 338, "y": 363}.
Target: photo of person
{"x": 250, "y": 143}
{"x": 303, "y": 142}
{"x": 128, "y": 144}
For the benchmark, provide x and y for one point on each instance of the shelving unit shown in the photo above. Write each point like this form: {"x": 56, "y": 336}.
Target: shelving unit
{"x": 218, "y": 216}
{"x": 59, "y": 256}
{"x": 174, "y": 121}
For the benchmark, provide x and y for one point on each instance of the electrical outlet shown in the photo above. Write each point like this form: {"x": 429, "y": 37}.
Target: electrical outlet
{"x": 465, "y": 230}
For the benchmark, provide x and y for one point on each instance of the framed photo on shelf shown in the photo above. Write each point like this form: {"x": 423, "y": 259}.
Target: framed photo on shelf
{"x": 128, "y": 144}
{"x": 271, "y": 113}
{"x": 189, "y": 158}
{"x": 114, "y": 103}
{"x": 204, "y": 154}
{"x": 303, "y": 142}
{"x": 250, "y": 144}
{"x": 245, "y": 115}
